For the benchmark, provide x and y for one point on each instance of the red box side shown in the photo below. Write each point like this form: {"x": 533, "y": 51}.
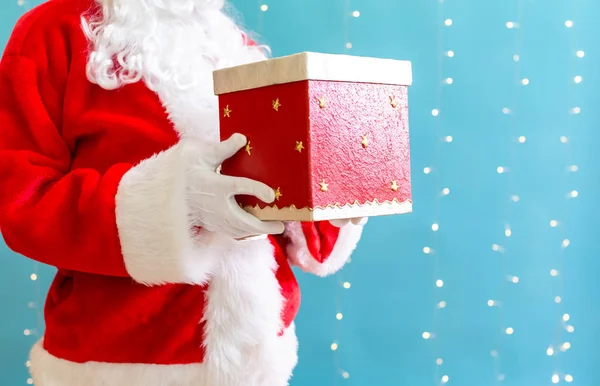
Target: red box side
{"x": 273, "y": 135}
{"x": 352, "y": 171}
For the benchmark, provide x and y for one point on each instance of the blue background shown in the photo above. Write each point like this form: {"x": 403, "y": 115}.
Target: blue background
{"x": 393, "y": 298}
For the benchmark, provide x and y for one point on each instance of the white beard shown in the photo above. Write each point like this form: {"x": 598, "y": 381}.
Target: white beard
{"x": 173, "y": 46}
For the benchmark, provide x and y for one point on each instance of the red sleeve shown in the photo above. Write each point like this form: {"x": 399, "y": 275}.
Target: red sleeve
{"x": 126, "y": 221}
{"x": 319, "y": 247}
{"x": 47, "y": 212}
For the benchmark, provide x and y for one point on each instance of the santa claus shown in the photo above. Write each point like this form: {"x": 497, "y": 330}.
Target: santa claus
{"x": 108, "y": 155}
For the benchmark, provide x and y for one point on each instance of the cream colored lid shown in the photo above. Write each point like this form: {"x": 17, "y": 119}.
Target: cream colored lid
{"x": 312, "y": 66}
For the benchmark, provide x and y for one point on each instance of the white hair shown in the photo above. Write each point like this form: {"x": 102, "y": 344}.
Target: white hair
{"x": 172, "y": 45}
{"x": 135, "y": 39}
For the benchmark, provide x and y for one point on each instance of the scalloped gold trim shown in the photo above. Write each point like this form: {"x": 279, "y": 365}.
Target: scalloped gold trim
{"x": 332, "y": 211}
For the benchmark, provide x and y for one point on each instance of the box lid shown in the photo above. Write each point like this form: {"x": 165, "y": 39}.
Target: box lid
{"x": 312, "y": 66}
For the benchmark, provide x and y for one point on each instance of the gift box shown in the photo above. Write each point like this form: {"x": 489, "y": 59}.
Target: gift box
{"x": 329, "y": 133}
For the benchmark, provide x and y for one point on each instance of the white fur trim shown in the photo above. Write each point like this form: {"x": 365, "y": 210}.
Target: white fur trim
{"x": 242, "y": 316}
{"x": 48, "y": 370}
{"x": 300, "y": 255}
{"x": 153, "y": 225}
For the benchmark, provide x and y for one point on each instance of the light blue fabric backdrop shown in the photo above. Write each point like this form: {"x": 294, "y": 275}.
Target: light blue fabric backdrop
{"x": 500, "y": 110}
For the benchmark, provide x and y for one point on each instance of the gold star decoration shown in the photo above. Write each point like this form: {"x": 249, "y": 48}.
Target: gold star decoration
{"x": 324, "y": 186}
{"x": 278, "y": 194}
{"x": 276, "y": 104}
{"x": 322, "y": 102}
{"x": 394, "y": 186}
{"x": 248, "y": 148}
{"x": 393, "y": 102}
{"x": 227, "y": 112}
{"x": 299, "y": 146}
{"x": 365, "y": 141}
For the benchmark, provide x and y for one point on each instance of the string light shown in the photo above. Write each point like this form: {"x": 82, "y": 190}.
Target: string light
{"x": 568, "y": 23}
{"x": 580, "y": 54}
{"x": 264, "y": 7}
{"x": 345, "y": 285}
{"x": 570, "y": 329}
{"x": 511, "y": 114}
{"x": 443, "y": 80}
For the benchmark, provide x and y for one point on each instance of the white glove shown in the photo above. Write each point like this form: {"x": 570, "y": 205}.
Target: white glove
{"x": 211, "y": 196}
{"x": 343, "y": 222}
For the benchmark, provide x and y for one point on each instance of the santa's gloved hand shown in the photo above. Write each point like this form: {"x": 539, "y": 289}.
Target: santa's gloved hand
{"x": 211, "y": 196}
{"x": 355, "y": 221}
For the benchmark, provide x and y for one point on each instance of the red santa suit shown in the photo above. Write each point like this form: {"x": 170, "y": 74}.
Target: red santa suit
{"x": 90, "y": 182}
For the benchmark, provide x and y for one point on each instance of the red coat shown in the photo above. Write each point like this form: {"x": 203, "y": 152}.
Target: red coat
{"x": 89, "y": 184}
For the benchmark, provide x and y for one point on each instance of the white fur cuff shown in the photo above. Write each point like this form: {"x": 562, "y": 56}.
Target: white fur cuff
{"x": 300, "y": 255}
{"x": 153, "y": 224}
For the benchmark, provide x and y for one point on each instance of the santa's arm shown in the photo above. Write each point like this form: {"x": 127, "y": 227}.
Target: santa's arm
{"x": 126, "y": 220}
{"x": 320, "y": 247}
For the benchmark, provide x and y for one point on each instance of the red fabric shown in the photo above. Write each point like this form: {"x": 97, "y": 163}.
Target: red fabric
{"x": 320, "y": 239}
{"x": 64, "y": 146}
